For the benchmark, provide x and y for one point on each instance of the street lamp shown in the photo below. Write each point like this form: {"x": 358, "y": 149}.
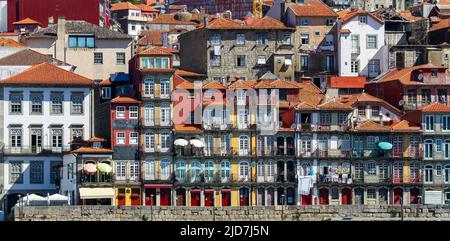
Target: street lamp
{"x": 282, "y": 207}
{"x": 151, "y": 207}
{"x": 401, "y": 208}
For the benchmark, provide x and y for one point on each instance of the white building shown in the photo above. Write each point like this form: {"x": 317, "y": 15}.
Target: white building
{"x": 44, "y": 108}
{"x": 3, "y": 16}
{"x": 362, "y": 51}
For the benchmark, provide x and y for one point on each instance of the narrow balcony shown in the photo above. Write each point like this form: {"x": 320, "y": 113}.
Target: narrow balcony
{"x": 27, "y": 150}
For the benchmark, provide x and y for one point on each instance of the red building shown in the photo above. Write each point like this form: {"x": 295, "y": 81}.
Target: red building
{"x": 93, "y": 11}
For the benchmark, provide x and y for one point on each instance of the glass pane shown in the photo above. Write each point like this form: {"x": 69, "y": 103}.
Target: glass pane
{"x": 81, "y": 42}
{"x": 90, "y": 42}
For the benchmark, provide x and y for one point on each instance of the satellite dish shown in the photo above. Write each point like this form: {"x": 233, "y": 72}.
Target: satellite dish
{"x": 401, "y": 102}
{"x": 420, "y": 76}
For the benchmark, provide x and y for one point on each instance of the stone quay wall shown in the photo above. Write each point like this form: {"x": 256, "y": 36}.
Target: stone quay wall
{"x": 274, "y": 213}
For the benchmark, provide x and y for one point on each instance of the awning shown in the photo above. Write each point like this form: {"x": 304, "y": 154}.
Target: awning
{"x": 385, "y": 146}
{"x": 90, "y": 167}
{"x": 197, "y": 143}
{"x": 180, "y": 142}
{"x": 58, "y": 197}
{"x": 104, "y": 167}
{"x": 94, "y": 193}
{"x": 158, "y": 186}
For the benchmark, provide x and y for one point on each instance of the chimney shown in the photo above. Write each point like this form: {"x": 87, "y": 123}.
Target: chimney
{"x": 61, "y": 39}
{"x": 51, "y": 21}
{"x": 205, "y": 21}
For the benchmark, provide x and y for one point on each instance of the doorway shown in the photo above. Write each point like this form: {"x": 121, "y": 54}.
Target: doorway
{"x": 226, "y": 198}
{"x": 195, "y": 198}
{"x": 323, "y": 196}
{"x": 346, "y": 196}
{"x": 398, "y": 195}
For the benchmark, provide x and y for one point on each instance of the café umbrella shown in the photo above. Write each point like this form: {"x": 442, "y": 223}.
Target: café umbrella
{"x": 197, "y": 143}
{"x": 104, "y": 167}
{"x": 181, "y": 142}
{"x": 385, "y": 146}
{"x": 90, "y": 168}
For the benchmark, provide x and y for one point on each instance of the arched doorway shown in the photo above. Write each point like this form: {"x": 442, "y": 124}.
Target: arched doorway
{"x": 261, "y": 197}
{"x": 398, "y": 195}
{"x": 323, "y": 196}
{"x": 181, "y": 197}
{"x": 244, "y": 197}
{"x": 270, "y": 196}
{"x": 281, "y": 196}
{"x": 359, "y": 196}
{"x": 346, "y": 196}
{"x": 290, "y": 192}
{"x": 307, "y": 199}
{"x": 414, "y": 194}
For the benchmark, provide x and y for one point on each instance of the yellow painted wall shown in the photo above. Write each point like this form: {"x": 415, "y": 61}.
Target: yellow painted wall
{"x": 127, "y": 194}
{"x": 217, "y": 199}
{"x": 406, "y": 154}
{"x": 235, "y": 197}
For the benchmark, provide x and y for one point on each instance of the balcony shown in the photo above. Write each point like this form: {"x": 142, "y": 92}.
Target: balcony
{"x": 328, "y": 47}
{"x": 322, "y": 128}
{"x": 397, "y": 153}
{"x": 155, "y": 123}
{"x": 329, "y": 178}
{"x": 372, "y": 179}
{"x": 35, "y": 149}
{"x": 96, "y": 179}
{"x": 371, "y": 153}
{"x": 411, "y": 180}
{"x": 304, "y": 127}
{"x": 157, "y": 149}
{"x": 217, "y": 125}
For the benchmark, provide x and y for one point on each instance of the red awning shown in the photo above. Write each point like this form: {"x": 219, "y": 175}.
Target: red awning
{"x": 158, "y": 186}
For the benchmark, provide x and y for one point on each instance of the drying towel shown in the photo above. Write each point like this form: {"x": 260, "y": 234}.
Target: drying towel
{"x": 304, "y": 185}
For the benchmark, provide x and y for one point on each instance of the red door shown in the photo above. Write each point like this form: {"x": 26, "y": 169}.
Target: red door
{"x": 226, "y": 198}
{"x": 414, "y": 195}
{"x": 346, "y": 196}
{"x": 209, "y": 198}
{"x": 121, "y": 197}
{"x": 307, "y": 199}
{"x": 165, "y": 197}
{"x": 135, "y": 197}
{"x": 323, "y": 196}
{"x": 195, "y": 198}
{"x": 398, "y": 194}
{"x": 150, "y": 196}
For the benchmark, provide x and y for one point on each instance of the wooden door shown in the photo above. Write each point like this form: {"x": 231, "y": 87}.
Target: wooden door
{"x": 209, "y": 198}
{"x": 414, "y": 195}
{"x": 135, "y": 197}
{"x": 346, "y": 196}
{"x": 226, "y": 198}
{"x": 323, "y": 196}
{"x": 398, "y": 195}
{"x": 165, "y": 197}
{"x": 195, "y": 198}
{"x": 150, "y": 197}
{"x": 121, "y": 201}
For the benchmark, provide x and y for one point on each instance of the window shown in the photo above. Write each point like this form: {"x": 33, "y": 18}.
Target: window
{"x": 165, "y": 88}
{"x": 243, "y": 118}
{"x": 442, "y": 95}
{"x": 180, "y": 170}
{"x": 346, "y": 144}
{"x": 56, "y": 137}
{"x": 225, "y": 170}
{"x": 398, "y": 170}
{"x": 434, "y": 72}
{"x": 398, "y": 145}
{"x": 36, "y": 103}
{"x": 133, "y": 27}
{"x": 355, "y": 66}
{"x": 359, "y": 171}
{"x": 375, "y": 110}
{"x": 371, "y": 193}
{"x": 243, "y": 145}
{"x": 286, "y": 39}
{"x": 120, "y": 138}
{"x": 304, "y": 38}
{"x": 325, "y": 118}
{"x": 374, "y": 67}
{"x": 149, "y": 142}
{"x": 329, "y": 22}
{"x": 121, "y": 170}
{"x": 414, "y": 171}
{"x": 149, "y": 170}
{"x": 384, "y": 171}
{"x": 426, "y": 96}
{"x": 260, "y": 169}
{"x": 133, "y": 112}
{"x": 304, "y": 22}
{"x": 447, "y": 174}
{"x": 165, "y": 142}
{"x": 240, "y": 39}
{"x": 244, "y": 170}
{"x": 134, "y": 137}
{"x": 362, "y": 19}
{"x": 261, "y": 60}
{"x": 149, "y": 87}
{"x": 261, "y": 40}
{"x": 154, "y": 63}
{"x": 446, "y": 123}
{"x": 76, "y": 133}
{"x": 362, "y": 110}
{"x": 165, "y": 115}
{"x": 428, "y": 149}
{"x": 134, "y": 170}
{"x": 36, "y": 172}
{"x": 149, "y": 115}
{"x": 371, "y": 168}
{"x": 120, "y": 112}
{"x": 355, "y": 43}
{"x": 317, "y": 33}
{"x": 371, "y": 42}
{"x": 428, "y": 174}
{"x": 81, "y": 41}
{"x": 120, "y": 58}
{"x": 429, "y": 122}
{"x": 106, "y": 92}
{"x": 209, "y": 170}
{"x": 371, "y": 142}
{"x": 438, "y": 145}
{"x": 15, "y": 137}
{"x": 438, "y": 170}
{"x": 165, "y": 169}
{"x": 304, "y": 60}
{"x": 342, "y": 118}
{"x": 329, "y": 62}
{"x": 15, "y": 173}
{"x": 215, "y": 60}
{"x": 240, "y": 61}
{"x": 335, "y": 193}
{"x": 98, "y": 58}
{"x": 15, "y": 101}
{"x": 215, "y": 39}
{"x": 77, "y": 103}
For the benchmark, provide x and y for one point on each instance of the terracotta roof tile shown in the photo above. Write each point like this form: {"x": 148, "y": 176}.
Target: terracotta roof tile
{"x": 123, "y": 6}
{"x": 185, "y": 73}
{"x": 96, "y": 139}
{"x": 213, "y": 85}
{"x": 27, "y": 21}
{"x": 443, "y": 24}
{"x": 247, "y": 23}
{"x": 7, "y": 42}
{"x": 313, "y": 8}
{"x": 334, "y": 105}
{"x": 146, "y": 8}
{"x": 370, "y": 126}
{"x": 346, "y": 82}
{"x": 242, "y": 84}
{"x": 409, "y": 16}
{"x": 186, "y": 85}
{"x": 405, "y": 75}
{"x": 187, "y": 128}
{"x": 367, "y": 98}
{"x": 344, "y": 30}
{"x": 305, "y": 106}
{"x": 404, "y": 125}
{"x": 153, "y": 38}
{"x": 46, "y": 73}
{"x": 106, "y": 82}
{"x": 173, "y": 19}
{"x": 125, "y": 100}
{"x": 157, "y": 51}
{"x": 28, "y": 57}
{"x": 435, "y": 107}
{"x": 87, "y": 149}
{"x": 347, "y": 15}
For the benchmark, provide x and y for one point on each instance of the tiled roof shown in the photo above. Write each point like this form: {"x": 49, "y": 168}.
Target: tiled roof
{"x": 27, "y": 21}
{"x": 242, "y": 84}
{"x": 173, "y": 19}
{"x": 106, "y": 82}
{"x": 9, "y": 34}
{"x": 346, "y": 82}
{"x": 313, "y": 8}
{"x": 334, "y": 105}
{"x": 46, "y": 73}
{"x": 96, "y": 139}
{"x": 366, "y": 98}
{"x": 123, "y": 6}
{"x": 81, "y": 27}
{"x": 213, "y": 85}
{"x": 153, "y": 38}
{"x": 404, "y": 125}
{"x": 443, "y": 24}
{"x": 370, "y": 126}
{"x": 405, "y": 75}
{"x": 125, "y": 100}
{"x": 28, "y": 57}
{"x": 7, "y": 42}
{"x": 146, "y": 8}
{"x": 247, "y": 23}
{"x": 186, "y": 85}
{"x": 310, "y": 93}
{"x": 409, "y": 16}
{"x": 435, "y": 107}
{"x": 187, "y": 128}
{"x": 305, "y": 106}
{"x": 87, "y": 149}
{"x": 185, "y": 73}
{"x": 347, "y": 15}
{"x": 276, "y": 84}
{"x": 344, "y": 30}
{"x": 158, "y": 51}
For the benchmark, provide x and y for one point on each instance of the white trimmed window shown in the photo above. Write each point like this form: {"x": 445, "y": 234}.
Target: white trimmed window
{"x": 133, "y": 112}
{"x": 120, "y": 138}
{"x": 134, "y": 138}
{"x": 120, "y": 112}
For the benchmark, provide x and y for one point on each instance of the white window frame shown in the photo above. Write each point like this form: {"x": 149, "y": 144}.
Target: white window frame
{"x": 120, "y": 112}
